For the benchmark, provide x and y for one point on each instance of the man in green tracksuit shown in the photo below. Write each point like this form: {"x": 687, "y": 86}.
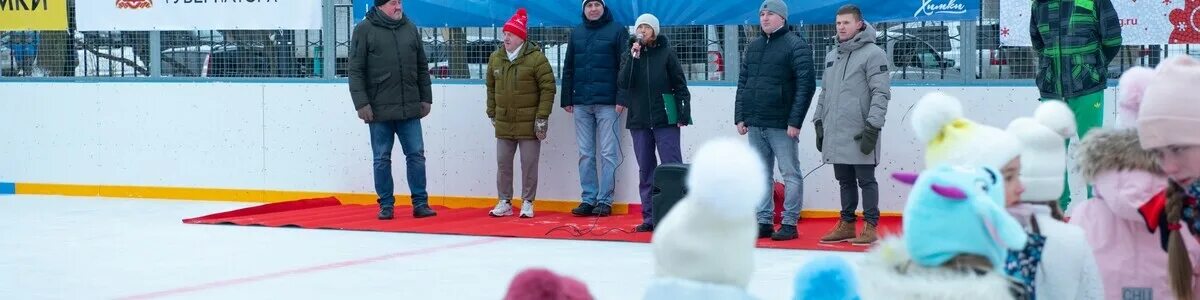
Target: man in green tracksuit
{"x": 1075, "y": 40}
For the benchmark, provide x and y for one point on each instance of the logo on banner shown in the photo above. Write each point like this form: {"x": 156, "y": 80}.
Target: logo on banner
{"x": 15, "y": 5}
{"x": 134, "y": 4}
{"x": 929, "y": 8}
{"x": 1186, "y": 23}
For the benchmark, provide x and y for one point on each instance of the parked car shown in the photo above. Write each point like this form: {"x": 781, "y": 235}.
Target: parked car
{"x": 945, "y": 39}
{"x": 914, "y": 58}
{"x": 103, "y": 65}
{"x": 216, "y": 61}
{"x": 178, "y": 39}
{"x": 107, "y": 54}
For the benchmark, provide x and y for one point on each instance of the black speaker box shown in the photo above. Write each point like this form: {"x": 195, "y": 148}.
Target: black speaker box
{"x": 670, "y": 186}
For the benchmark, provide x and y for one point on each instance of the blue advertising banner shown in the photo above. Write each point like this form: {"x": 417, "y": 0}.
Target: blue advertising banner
{"x": 558, "y": 13}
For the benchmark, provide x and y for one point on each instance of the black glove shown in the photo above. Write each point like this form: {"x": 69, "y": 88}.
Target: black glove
{"x": 820, "y": 135}
{"x": 868, "y": 139}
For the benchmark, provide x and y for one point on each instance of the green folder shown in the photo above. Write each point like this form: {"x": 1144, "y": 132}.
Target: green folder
{"x": 671, "y": 107}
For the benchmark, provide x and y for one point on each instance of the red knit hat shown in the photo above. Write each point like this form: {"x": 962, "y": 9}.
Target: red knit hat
{"x": 517, "y": 25}
{"x": 542, "y": 284}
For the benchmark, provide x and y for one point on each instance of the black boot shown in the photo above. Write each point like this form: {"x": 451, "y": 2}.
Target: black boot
{"x": 423, "y": 211}
{"x": 386, "y": 212}
{"x": 583, "y": 210}
{"x": 765, "y": 230}
{"x": 602, "y": 210}
{"x": 786, "y": 232}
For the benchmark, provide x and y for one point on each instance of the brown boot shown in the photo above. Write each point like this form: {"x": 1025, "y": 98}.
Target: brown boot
{"x": 843, "y": 232}
{"x": 867, "y": 237}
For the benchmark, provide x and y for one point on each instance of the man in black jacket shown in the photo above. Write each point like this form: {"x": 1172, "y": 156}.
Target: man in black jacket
{"x": 589, "y": 92}
{"x": 775, "y": 88}
{"x": 390, "y": 86}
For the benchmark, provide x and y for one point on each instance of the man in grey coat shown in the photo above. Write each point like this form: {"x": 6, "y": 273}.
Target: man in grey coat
{"x": 390, "y": 86}
{"x": 850, "y": 113}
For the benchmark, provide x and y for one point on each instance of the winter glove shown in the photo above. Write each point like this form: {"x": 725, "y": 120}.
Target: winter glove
{"x": 425, "y": 108}
{"x": 868, "y": 139}
{"x": 539, "y": 128}
{"x": 820, "y": 128}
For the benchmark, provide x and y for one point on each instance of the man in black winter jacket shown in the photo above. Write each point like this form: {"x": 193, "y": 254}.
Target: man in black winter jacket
{"x": 589, "y": 93}
{"x": 390, "y": 86}
{"x": 775, "y": 88}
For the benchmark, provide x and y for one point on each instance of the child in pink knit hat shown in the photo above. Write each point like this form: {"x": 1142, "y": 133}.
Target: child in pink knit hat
{"x": 1126, "y": 177}
{"x": 1167, "y": 127}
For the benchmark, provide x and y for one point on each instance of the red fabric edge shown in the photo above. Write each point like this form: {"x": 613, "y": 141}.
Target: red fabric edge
{"x": 267, "y": 208}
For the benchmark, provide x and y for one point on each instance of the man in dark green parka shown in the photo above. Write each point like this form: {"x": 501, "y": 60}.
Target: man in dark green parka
{"x": 390, "y": 86}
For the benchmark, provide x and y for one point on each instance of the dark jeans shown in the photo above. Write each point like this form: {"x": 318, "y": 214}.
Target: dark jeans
{"x": 851, "y": 178}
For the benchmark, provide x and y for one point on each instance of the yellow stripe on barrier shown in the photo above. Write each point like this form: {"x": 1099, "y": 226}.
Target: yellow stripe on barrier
{"x": 269, "y": 196}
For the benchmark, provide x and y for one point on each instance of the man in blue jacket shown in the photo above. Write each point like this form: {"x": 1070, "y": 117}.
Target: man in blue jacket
{"x": 774, "y": 91}
{"x": 589, "y": 90}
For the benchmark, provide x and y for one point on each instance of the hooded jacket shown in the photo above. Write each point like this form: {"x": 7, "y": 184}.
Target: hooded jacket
{"x": 888, "y": 273}
{"x": 388, "y": 68}
{"x": 855, "y": 91}
{"x": 1128, "y": 255}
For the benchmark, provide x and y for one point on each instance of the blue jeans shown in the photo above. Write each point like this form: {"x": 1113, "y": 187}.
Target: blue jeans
{"x": 594, "y": 122}
{"x": 409, "y": 133}
{"x": 773, "y": 144}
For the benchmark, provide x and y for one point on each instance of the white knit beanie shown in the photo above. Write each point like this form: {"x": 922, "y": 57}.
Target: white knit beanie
{"x": 710, "y": 235}
{"x": 953, "y": 139}
{"x": 650, "y": 20}
{"x": 1044, "y": 150}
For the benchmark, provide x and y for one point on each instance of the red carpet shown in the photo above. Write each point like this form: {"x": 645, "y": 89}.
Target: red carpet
{"x": 329, "y": 213}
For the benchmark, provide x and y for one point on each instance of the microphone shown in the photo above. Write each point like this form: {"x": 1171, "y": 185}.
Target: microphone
{"x": 639, "y": 39}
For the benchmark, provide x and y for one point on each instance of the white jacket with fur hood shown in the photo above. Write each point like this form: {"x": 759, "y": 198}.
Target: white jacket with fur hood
{"x": 888, "y": 273}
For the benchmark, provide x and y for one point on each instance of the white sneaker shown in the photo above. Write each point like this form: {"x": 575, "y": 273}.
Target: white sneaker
{"x": 502, "y": 209}
{"x": 527, "y": 209}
